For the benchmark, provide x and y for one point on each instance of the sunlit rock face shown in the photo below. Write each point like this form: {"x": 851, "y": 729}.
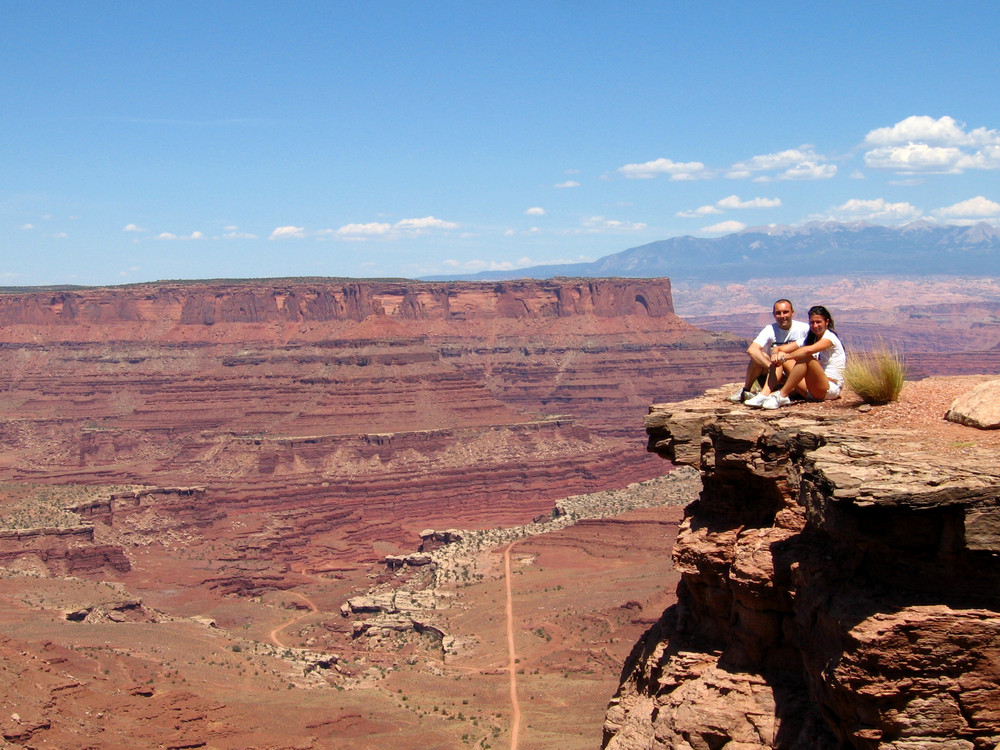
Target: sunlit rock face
{"x": 330, "y": 417}
{"x": 840, "y": 587}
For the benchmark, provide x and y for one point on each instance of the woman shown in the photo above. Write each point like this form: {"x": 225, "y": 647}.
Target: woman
{"x": 815, "y": 370}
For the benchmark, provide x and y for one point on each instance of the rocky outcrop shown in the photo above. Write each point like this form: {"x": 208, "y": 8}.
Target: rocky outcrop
{"x": 979, "y": 408}
{"x": 840, "y": 589}
{"x": 60, "y": 552}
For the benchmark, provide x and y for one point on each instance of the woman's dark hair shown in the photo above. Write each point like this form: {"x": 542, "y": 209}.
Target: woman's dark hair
{"x": 823, "y": 313}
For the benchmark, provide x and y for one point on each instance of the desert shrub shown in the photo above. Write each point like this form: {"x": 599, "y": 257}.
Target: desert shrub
{"x": 876, "y": 376}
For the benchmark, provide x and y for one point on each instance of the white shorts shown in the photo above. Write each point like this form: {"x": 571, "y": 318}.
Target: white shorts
{"x": 832, "y": 393}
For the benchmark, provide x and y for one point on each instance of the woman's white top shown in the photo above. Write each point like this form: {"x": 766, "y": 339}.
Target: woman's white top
{"x": 833, "y": 358}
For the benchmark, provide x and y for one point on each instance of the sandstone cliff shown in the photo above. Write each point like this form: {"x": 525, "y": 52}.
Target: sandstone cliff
{"x": 356, "y": 412}
{"x": 302, "y": 300}
{"x": 840, "y": 587}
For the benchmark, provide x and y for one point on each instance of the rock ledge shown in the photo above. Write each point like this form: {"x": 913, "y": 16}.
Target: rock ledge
{"x": 840, "y": 588}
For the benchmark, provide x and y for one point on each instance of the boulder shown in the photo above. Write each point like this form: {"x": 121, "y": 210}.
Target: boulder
{"x": 978, "y": 408}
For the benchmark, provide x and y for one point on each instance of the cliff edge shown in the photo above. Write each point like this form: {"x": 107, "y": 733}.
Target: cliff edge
{"x": 840, "y": 583}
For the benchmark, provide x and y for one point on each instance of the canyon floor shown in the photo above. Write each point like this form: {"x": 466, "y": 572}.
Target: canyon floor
{"x": 90, "y": 663}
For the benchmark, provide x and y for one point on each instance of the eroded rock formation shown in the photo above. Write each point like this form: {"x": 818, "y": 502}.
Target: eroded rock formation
{"x": 318, "y": 416}
{"x": 840, "y": 588}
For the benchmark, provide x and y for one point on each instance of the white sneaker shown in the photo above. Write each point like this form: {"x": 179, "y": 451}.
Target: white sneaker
{"x": 775, "y": 401}
{"x": 756, "y": 401}
{"x": 738, "y": 397}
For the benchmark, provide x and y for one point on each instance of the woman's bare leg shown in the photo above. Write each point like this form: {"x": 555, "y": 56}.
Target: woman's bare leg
{"x": 816, "y": 381}
{"x": 807, "y": 379}
{"x": 793, "y": 380}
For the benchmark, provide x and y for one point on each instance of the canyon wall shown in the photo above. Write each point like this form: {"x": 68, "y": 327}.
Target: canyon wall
{"x": 840, "y": 586}
{"x": 331, "y": 417}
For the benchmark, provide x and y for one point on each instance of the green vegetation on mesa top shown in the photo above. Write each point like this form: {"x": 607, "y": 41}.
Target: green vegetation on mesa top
{"x": 33, "y": 506}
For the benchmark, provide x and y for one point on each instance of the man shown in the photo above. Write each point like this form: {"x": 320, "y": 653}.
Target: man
{"x": 783, "y": 335}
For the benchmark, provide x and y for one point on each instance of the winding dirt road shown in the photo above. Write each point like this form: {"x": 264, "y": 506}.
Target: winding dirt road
{"x": 312, "y": 608}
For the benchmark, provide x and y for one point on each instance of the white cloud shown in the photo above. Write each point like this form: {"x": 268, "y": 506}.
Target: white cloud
{"x": 133, "y": 228}
{"x": 427, "y": 222}
{"x": 917, "y": 157}
{"x": 27, "y": 227}
{"x": 857, "y": 174}
{"x": 509, "y": 233}
{"x": 196, "y": 235}
{"x": 808, "y": 170}
{"x": 731, "y": 202}
{"x": 922, "y": 144}
{"x": 475, "y": 265}
{"x": 923, "y": 129}
{"x": 371, "y": 229}
{"x": 677, "y": 170}
{"x": 877, "y": 209}
{"x": 699, "y": 212}
{"x": 780, "y": 160}
{"x": 289, "y": 231}
{"x": 595, "y": 224}
{"x": 385, "y": 230}
{"x": 535, "y": 211}
{"x": 60, "y": 235}
{"x": 567, "y": 184}
{"x": 725, "y": 227}
{"x": 734, "y": 202}
{"x": 233, "y": 233}
{"x": 974, "y": 208}
{"x": 802, "y": 163}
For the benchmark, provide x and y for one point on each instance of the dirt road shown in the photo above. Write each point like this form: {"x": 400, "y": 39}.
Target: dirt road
{"x": 515, "y": 726}
{"x": 312, "y": 608}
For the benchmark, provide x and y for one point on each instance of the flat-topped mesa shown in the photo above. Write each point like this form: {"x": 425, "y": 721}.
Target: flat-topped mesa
{"x": 356, "y": 412}
{"x": 296, "y": 301}
{"x": 840, "y": 587}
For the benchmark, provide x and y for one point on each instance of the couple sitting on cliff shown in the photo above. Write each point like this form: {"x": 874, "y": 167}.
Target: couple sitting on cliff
{"x": 791, "y": 358}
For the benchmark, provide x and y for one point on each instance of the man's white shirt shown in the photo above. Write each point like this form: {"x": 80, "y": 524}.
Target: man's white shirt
{"x": 774, "y": 335}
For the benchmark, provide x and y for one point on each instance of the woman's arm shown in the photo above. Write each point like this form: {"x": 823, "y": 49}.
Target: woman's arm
{"x": 803, "y": 353}
{"x": 779, "y": 352}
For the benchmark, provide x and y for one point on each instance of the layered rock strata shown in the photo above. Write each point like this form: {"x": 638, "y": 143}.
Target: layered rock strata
{"x": 840, "y": 588}
{"x": 321, "y": 415}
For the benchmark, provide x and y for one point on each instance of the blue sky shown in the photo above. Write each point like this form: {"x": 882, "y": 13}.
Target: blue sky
{"x": 144, "y": 141}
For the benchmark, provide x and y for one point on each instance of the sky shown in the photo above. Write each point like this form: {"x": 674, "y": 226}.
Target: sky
{"x": 183, "y": 140}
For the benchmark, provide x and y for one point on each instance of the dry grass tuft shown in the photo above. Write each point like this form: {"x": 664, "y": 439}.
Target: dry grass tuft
{"x": 876, "y": 376}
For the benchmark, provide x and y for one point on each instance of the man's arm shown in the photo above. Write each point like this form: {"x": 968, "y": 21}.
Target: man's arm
{"x": 788, "y": 346}
{"x": 757, "y": 355}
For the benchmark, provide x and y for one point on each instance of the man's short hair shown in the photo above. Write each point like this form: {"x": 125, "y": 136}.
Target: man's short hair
{"x": 779, "y": 301}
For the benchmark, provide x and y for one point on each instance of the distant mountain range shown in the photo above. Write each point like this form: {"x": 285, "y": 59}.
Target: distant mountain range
{"x": 816, "y": 248}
